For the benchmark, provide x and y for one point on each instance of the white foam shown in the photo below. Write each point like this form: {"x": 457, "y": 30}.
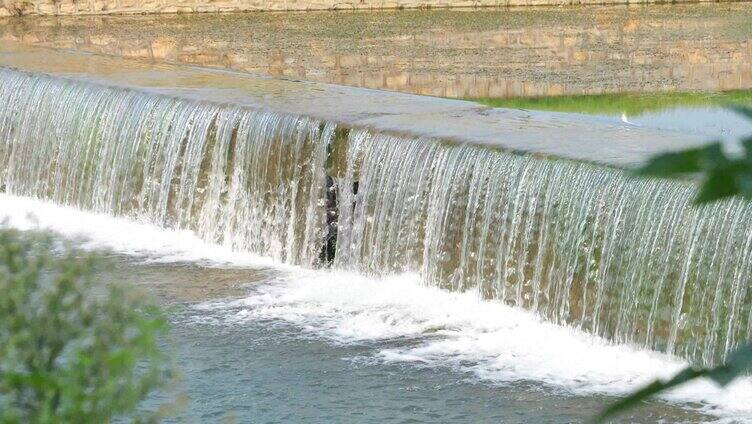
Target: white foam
{"x": 499, "y": 344}
{"x": 104, "y": 232}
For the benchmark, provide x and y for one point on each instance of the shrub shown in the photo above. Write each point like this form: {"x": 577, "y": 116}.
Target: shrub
{"x": 72, "y": 350}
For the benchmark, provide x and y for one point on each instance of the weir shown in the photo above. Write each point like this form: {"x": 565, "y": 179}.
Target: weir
{"x": 469, "y": 198}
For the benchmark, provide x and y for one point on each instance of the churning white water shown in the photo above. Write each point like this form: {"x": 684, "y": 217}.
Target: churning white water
{"x": 499, "y": 344}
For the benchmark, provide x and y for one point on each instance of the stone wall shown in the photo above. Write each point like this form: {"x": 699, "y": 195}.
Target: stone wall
{"x": 97, "y": 7}
{"x": 495, "y": 53}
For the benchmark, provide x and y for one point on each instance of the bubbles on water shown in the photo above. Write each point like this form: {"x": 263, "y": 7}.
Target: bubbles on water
{"x": 403, "y": 321}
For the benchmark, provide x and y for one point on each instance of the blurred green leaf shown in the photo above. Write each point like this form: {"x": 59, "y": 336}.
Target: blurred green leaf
{"x": 744, "y": 181}
{"x": 72, "y": 349}
{"x": 719, "y": 184}
{"x": 669, "y": 164}
{"x": 737, "y": 364}
{"x": 690, "y": 161}
{"x": 747, "y": 144}
{"x": 742, "y": 110}
{"x": 648, "y": 391}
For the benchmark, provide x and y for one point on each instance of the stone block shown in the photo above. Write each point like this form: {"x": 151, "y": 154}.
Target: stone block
{"x": 67, "y": 8}
{"x": 46, "y": 9}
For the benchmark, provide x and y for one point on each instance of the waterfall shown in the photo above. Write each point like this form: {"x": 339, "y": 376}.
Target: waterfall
{"x": 248, "y": 179}
{"x": 581, "y": 244}
{"x": 624, "y": 258}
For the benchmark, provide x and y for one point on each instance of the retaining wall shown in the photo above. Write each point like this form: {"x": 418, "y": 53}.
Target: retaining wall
{"x": 95, "y": 7}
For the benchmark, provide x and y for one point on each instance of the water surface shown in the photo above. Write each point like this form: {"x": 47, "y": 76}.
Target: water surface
{"x": 257, "y": 341}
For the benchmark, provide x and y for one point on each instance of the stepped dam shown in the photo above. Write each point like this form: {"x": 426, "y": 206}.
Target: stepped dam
{"x": 532, "y": 209}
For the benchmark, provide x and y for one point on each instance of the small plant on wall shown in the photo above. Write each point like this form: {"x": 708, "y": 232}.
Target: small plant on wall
{"x": 17, "y": 7}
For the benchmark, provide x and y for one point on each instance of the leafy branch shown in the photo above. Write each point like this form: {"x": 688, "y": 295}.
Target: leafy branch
{"x": 722, "y": 176}
{"x": 738, "y": 362}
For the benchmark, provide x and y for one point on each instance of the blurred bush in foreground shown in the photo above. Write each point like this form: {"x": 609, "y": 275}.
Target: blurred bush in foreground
{"x": 72, "y": 350}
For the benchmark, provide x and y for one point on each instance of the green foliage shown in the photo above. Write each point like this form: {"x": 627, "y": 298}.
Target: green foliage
{"x": 633, "y": 104}
{"x": 738, "y": 363}
{"x": 72, "y": 350}
{"x": 722, "y": 176}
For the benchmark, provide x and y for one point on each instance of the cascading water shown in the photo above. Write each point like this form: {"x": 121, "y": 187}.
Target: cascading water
{"x": 248, "y": 179}
{"x": 580, "y": 244}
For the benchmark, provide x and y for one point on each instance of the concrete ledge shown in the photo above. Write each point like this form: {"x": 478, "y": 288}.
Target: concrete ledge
{"x": 106, "y": 7}
{"x": 570, "y": 136}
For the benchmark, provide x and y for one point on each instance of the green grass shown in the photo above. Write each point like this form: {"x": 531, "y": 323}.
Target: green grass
{"x": 633, "y": 104}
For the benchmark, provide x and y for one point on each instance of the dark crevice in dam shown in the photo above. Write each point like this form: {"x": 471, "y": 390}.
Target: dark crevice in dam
{"x": 329, "y": 247}
{"x": 578, "y": 243}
